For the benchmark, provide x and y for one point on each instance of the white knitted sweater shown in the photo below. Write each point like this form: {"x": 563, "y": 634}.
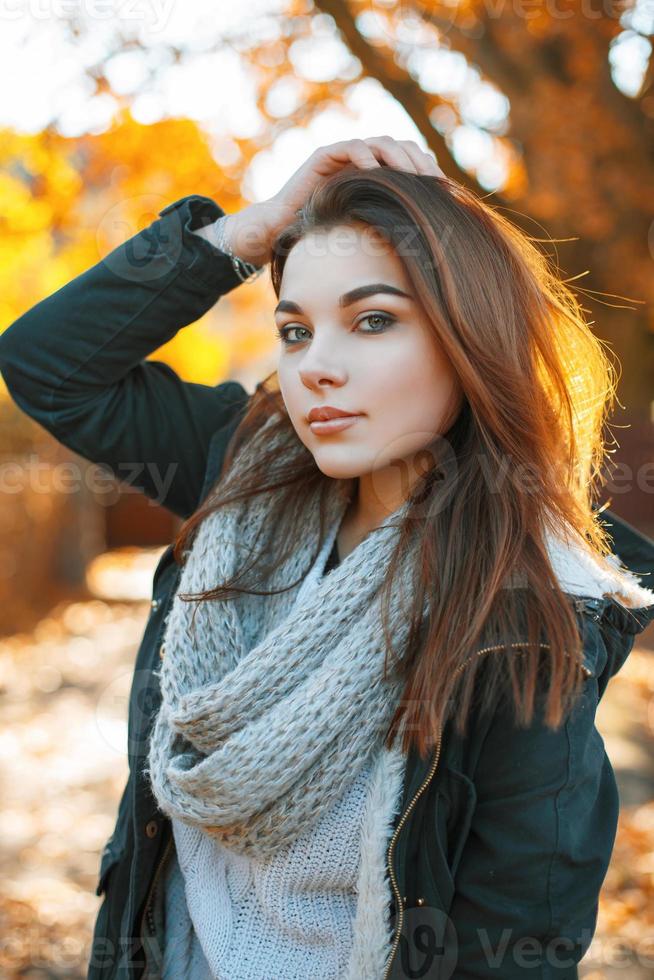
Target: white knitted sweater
{"x": 290, "y": 917}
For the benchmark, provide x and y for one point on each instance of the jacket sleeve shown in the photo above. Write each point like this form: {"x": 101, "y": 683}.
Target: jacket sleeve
{"x": 528, "y": 882}
{"x": 75, "y": 362}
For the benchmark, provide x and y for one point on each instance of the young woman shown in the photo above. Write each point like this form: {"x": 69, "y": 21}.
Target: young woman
{"x": 362, "y": 722}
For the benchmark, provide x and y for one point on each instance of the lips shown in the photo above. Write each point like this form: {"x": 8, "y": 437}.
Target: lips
{"x": 327, "y": 412}
{"x": 334, "y": 425}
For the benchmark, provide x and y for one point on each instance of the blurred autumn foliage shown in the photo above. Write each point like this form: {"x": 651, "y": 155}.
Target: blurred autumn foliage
{"x": 66, "y": 202}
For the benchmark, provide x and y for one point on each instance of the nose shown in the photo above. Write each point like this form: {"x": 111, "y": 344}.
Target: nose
{"x": 318, "y": 369}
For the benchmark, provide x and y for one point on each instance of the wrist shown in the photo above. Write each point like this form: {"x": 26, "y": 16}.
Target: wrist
{"x": 247, "y": 235}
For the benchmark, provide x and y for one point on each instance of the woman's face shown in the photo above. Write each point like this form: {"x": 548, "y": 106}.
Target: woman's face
{"x": 374, "y": 355}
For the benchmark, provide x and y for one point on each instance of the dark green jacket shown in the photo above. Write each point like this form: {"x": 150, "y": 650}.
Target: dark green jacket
{"x": 504, "y": 837}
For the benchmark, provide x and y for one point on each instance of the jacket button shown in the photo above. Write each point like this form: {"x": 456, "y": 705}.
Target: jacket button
{"x": 155, "y": 604}
{"x": 420, "y": 901}
{"x": 162, "y": 650}
{"x": 151, "y": 828}
{"x": 404, "y": 899}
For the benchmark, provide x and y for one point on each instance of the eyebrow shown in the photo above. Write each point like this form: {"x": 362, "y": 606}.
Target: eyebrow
{"x": 361, "y": 292}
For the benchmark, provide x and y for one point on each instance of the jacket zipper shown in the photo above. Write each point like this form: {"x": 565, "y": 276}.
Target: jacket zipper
{"x": 419, "y": 792}
{"x": 147, "y": 909}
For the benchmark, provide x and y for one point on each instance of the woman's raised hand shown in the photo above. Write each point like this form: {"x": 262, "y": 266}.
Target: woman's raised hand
{"x": 251, "y": 232}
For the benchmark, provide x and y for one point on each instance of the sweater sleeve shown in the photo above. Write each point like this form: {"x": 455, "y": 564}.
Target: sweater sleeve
{"x": 75, "y": 362}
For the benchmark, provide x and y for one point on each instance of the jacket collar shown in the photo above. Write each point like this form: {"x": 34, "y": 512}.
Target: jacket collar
{"x": 602, "y": 586}
{"x": 582, "y": 572}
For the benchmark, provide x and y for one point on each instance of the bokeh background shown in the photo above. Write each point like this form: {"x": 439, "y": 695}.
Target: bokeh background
{"x": 110, "y": 111}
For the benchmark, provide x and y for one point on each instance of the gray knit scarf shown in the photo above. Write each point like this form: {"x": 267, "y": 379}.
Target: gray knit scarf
{"x": 273, "y": 704}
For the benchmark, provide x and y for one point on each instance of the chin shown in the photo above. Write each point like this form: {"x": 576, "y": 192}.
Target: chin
{"x": 338, "y": 469}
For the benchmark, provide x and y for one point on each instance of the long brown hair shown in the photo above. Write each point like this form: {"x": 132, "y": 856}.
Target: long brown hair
{"x": 524, "y": 452}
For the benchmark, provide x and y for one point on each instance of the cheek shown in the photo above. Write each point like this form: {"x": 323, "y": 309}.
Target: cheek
{"x": 289, "y": 388}
{"x": 420, "y": 385}
{"x": 414, "y": 404}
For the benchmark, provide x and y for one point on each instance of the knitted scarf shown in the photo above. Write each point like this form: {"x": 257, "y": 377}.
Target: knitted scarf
{"x": 272, "y": 705}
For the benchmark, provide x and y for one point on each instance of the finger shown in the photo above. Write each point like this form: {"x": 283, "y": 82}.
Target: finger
{"x": 355, "y": 151}
{"x": 424, "y": 160}
{"x": 362, "y": 152}
{"x": 392, "y": 152}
